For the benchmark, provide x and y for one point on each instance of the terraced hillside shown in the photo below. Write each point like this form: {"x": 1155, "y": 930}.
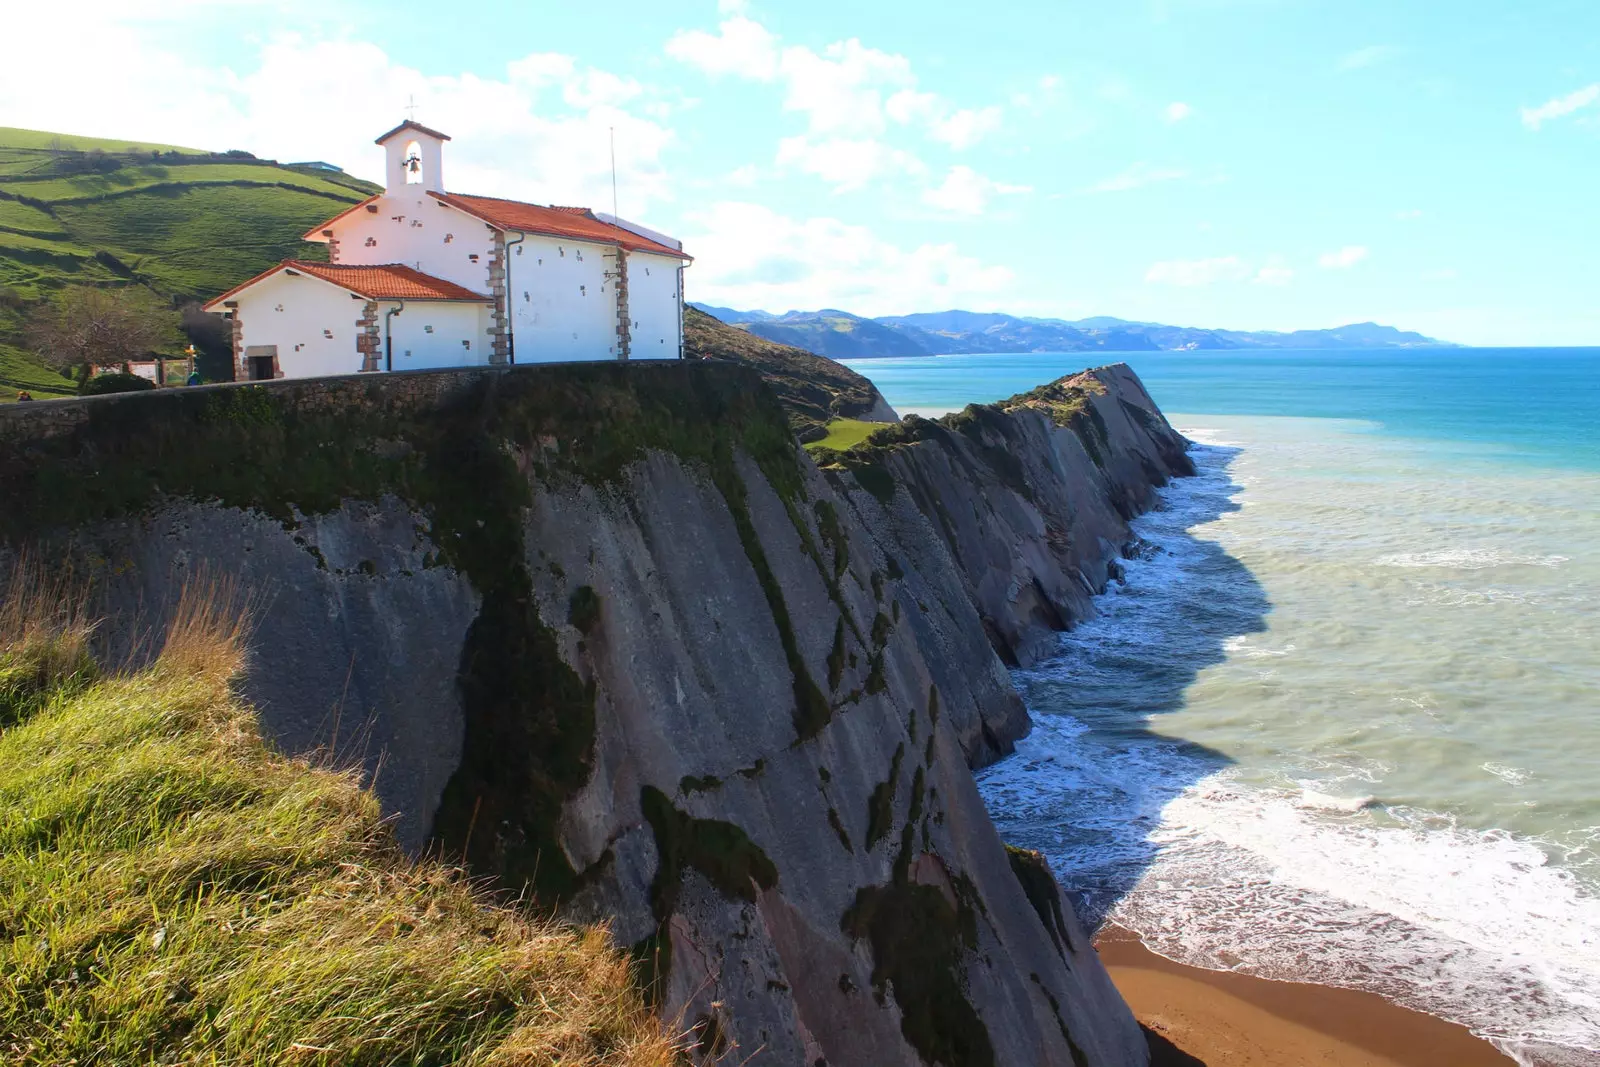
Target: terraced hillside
{"x": 184, "y": 223}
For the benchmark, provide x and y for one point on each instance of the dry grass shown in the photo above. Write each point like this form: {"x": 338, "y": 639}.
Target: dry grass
{"x": 174, "y": 891}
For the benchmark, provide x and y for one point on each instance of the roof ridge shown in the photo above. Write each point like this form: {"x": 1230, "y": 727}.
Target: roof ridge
{"x": 584, "y": 225}
{"x": 509, "y": 200}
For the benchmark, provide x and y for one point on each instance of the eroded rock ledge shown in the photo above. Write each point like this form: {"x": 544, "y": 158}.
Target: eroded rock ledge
{"x": 609, "y": 635}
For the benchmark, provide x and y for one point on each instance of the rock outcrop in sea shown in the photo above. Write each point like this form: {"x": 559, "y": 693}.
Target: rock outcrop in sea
{"x": 609, "y": 636}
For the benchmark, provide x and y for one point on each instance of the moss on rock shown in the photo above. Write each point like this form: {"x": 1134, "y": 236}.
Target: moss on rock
{"x": 1032, "y": 871}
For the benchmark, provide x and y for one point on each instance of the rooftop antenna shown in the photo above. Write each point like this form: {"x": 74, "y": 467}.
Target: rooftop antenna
{"x": 614, "y": 173}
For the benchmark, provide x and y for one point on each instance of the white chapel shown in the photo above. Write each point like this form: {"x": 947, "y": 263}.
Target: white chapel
{"x": 419, "y": 279}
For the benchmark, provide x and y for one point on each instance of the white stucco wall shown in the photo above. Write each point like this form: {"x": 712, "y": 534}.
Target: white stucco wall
{"x": 564, "y": 308}
{"x": 653, "y": 304}
{"x": 417, "y": 347}
{"x": 312, "y": 323}
{"x": 415, "y": 229}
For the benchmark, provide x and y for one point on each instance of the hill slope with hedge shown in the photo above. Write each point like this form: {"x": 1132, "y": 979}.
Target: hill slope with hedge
{"x": 185, "y": 224}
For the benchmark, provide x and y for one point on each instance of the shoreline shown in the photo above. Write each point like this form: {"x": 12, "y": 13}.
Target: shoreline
{"x": 1201, "y": 1018}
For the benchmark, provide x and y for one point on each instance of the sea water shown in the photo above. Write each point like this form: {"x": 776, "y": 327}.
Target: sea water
{"x": 1344, "y": 725}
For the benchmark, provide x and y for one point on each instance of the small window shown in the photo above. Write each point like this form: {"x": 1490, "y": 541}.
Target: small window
{"x": 466, "y": 344}
{"x": 278, "y": 308}
{"x": 473, "y": 256}
{"x": 519, "y": 250}
{"x": 328, "y": 334}
{"x": 427, "y": 329}
{"x": 372, "y": 242}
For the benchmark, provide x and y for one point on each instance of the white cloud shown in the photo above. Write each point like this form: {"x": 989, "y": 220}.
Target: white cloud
{"x": 842, "y": 89}
{"x": 750, "y": 256}
{"x": 1369, "y": 56}
{"x": 1195, "y": 272}
{"x": 1137, "y": 177}
{"x": 1274, "y": 273}
{"x": 741, "y": 47}
{"x": 846, "y": 90}
{"x": 1177, "y": 111}
{"x": 909, "y": 106}
{"x": 847, "y": 163}
{"x": 966, "y": 192}
{"x": 538, "y": 131}
{"x": 1561, "y": 106}
{"x": 964, "y": 128}
{"x": 1409, "y": 214}
{"x": 1344, "y": 258}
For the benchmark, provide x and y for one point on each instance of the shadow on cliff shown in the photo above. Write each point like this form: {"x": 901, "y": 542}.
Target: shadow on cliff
{"x": 1087, "y": 787}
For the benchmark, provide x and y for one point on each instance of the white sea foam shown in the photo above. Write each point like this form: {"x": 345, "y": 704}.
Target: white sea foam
{"x": 1508, "y": 775}
{"x": 1319, "y": 801}
{"x": 1241, "y": 645}
{"x": 1468, "y": 559}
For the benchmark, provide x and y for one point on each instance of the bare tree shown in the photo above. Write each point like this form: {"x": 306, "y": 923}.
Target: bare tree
{"x": 89, "y": 327}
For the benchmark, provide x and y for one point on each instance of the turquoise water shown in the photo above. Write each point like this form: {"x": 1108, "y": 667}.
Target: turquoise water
{"x": 1344, "y": 725}
{"x": 1539, "y": 405}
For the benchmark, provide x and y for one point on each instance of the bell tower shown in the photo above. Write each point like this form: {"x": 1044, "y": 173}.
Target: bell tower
{"x": 415, "y": 155}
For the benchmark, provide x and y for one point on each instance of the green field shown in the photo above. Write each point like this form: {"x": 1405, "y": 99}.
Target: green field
{"x": 11, "y": 137}
{"x": 846, "y": 433}
{"x": 187, "y": 225}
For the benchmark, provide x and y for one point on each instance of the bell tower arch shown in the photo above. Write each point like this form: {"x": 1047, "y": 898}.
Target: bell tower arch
{"x": 415, "y": 157}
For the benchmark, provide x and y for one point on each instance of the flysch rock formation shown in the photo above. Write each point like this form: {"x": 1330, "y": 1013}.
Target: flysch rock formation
{"x": 1027, "y": 501}
{"x": 608, "y": 636}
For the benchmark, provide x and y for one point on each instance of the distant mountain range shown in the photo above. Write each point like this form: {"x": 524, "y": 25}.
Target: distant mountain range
{"x": 841, "y": 335}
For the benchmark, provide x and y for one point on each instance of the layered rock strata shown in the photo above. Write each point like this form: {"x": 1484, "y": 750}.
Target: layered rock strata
{"x": 608, "y": 635}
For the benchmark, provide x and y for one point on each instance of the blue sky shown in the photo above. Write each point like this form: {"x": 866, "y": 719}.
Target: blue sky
{"x": 1248, "y": 164}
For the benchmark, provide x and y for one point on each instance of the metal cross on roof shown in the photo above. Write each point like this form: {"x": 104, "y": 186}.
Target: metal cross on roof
{"x": 411, "y": 108}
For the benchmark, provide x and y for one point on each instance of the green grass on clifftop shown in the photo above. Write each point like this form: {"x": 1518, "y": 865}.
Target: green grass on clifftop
{"x": 846, "y": 433}
{"x": 174, "y": 891}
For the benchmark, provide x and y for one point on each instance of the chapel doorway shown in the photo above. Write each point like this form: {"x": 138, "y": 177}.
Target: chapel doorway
{"x": 261, "y": 368}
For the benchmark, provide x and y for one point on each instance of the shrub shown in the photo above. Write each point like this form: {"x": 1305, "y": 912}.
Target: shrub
{"x": 115, "y": 382}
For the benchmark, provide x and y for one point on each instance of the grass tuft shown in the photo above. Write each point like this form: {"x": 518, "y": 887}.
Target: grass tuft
{"x": 173, "y": 890}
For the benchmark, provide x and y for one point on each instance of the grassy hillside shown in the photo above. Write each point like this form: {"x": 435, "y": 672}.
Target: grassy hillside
{"x": 183, "y": 223}
{"x": 814, "y": 390}
{"x": 15, "y": 138}
{"x": 177, "y": 892}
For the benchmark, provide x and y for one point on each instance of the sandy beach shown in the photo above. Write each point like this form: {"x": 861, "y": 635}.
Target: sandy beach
{"x": 1220, "y": 1019}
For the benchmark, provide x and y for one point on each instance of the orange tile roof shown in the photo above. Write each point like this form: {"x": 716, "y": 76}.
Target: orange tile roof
{"x": 388, "y": 281}
{"x": 408, "y": 124}
{"x": 580, "y": 224}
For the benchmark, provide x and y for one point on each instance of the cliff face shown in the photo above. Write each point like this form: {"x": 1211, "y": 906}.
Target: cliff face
{"x": 1026, "y": 501}
{"x": 605, "y": 633}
